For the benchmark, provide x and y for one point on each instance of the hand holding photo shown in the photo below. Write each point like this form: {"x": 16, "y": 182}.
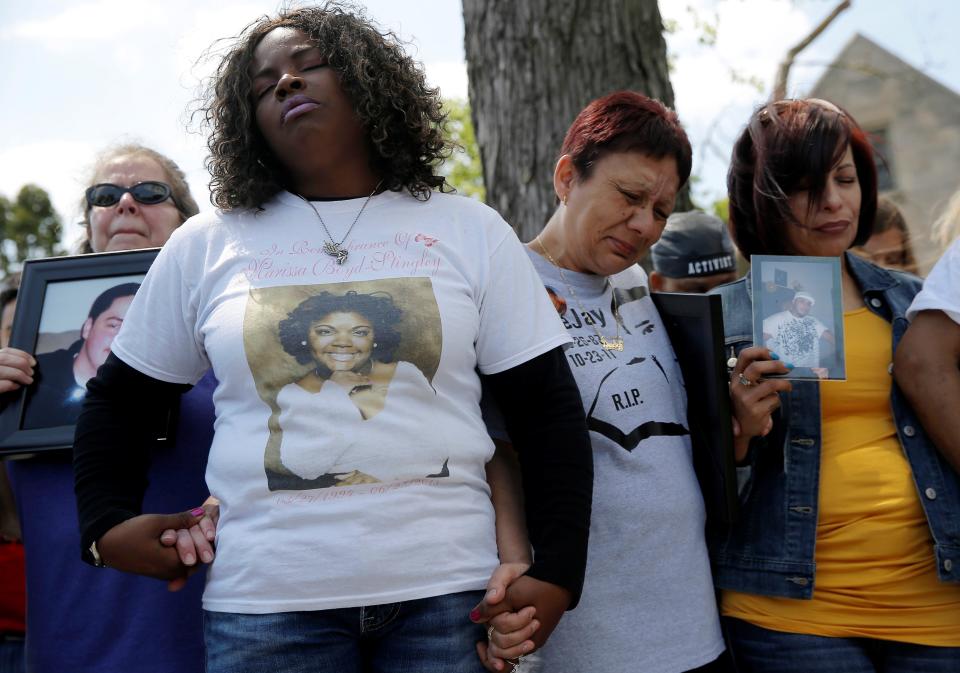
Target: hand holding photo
{"x": 68, "y": 312}
{"x": 798, "y": 313}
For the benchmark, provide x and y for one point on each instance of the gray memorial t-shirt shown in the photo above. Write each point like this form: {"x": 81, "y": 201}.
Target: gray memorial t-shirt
{"x": 648, "y": 601}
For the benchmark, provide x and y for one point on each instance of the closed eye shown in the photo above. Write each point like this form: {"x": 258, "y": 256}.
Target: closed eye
{"x": 265, "y": 90}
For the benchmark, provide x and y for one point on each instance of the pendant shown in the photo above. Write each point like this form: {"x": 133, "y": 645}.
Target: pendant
{"x": 335, "y": 250}
{"x": 613, "y": 345}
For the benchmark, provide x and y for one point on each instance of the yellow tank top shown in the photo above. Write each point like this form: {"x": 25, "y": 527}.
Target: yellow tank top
{"x": 876, "y": 575}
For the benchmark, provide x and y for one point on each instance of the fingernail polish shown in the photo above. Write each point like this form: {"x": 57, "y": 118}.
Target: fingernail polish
{"x": 789, "y": 365}
{"x": 197, "y": 511}
{"x": 475, "y": 614}
{"x": 774, "y": 356}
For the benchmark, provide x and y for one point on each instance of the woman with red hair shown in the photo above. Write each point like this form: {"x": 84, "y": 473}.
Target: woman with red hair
{"x": 648, "y": 602}
{"x": 845, "y": 556}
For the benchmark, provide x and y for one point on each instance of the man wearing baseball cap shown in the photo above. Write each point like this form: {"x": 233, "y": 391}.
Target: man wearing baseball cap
{"x": 694, "y": 254}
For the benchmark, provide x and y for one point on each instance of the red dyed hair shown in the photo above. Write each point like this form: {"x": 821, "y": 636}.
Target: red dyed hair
{"x": 627, "y": 121}
{"x": 788, "y": 146}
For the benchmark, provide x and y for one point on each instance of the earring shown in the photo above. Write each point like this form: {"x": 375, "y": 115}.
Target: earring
{"x": 303, "y": 343}
{"x": 564, "y": 200}
{"x": 374, "y": 344}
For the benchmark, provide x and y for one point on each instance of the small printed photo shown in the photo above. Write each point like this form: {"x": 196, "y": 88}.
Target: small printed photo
{"x": 798, "y": 313}
{"x": 78, "y": 322}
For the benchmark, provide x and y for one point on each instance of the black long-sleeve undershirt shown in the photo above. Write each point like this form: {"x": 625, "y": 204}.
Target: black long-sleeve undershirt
{"x": 539, "y": 400}
{"x": 122, "y": 412}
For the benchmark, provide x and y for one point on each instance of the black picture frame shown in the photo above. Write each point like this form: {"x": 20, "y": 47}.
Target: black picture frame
{"x": 36, "y": 277}
{"x": 694, "y": 323}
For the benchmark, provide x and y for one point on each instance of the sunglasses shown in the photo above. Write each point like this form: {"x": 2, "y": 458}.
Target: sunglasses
{"x": 148, "y": 193}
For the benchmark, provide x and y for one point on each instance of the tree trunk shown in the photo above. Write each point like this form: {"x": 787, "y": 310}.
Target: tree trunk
{"x": 533, "y": 65}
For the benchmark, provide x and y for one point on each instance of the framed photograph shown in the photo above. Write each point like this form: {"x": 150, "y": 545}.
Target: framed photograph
{"x": 694, "y": 323}
{"x": 798, "y": 313}
{"x": 69, "y": 309}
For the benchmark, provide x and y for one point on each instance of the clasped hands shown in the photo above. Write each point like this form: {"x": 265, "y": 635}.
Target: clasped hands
{"x": 169, "y": 547}
{"x": 520, "y": 613}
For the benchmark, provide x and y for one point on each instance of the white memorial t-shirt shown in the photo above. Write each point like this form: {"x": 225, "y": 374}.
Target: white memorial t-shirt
{"x": 941, "y": 289}
{"x": 349, "y": 449}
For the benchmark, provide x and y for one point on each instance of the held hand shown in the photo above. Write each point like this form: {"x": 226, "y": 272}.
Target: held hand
{"x": 16, "y": 369}
{"x": 134, "y": 546}
{"x": 548, "y": 601}
{"x": 509, "y": 632}
{"x": 509, "y": 635}
{"x": 755, "y": 397}
{"x": 197, "y": 541}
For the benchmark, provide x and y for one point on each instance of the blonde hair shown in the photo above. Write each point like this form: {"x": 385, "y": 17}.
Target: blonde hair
{"x": 947, "y": 226}
{"x": 180, "y": 190}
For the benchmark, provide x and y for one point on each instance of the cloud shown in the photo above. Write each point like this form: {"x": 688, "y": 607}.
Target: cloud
{"x": 90, "y": 22}
{"x": 450, "y": 76}
{"x": 203, "y": 29}
{"x": 710, "y": 86}
{"x": 56, "y": 165}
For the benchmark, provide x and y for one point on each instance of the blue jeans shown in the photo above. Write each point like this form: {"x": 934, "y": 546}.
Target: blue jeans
{"x": 430, "y": 635}
{"x": 759, "y": 650}
{"x": 12, "y": 654}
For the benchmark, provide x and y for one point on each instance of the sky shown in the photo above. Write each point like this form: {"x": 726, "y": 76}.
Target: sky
{"x": 80, "y": 75}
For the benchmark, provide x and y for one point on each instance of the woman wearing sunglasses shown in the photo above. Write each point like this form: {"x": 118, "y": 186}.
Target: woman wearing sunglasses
{"x": 324, "y": 146}
{"x": 81, "y": 618}
{"x": 131, "y": 225}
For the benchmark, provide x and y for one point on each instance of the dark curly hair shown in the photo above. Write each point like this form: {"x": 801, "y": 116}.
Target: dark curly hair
{"x": 377, "y": 307}
{"x": 787, "y": 146}
{"x": 403, "y": 117}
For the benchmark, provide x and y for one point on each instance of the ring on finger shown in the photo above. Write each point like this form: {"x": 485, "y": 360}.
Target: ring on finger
{"x": 490, "y": 631}
{"x": 744, "y": 380}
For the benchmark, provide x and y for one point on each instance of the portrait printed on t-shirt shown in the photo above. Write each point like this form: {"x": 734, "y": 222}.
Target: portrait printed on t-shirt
{"x": 632, "y": 394}
{"x": 347, "y": 370}
{"x": 78, "y": 322}
{"x": 798, "y": 313}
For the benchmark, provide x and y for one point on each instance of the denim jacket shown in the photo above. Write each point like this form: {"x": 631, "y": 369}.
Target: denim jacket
{"x": 770, "y": 550}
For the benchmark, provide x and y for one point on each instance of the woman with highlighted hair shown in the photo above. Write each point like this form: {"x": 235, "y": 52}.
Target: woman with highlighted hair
{"x": 843, "y": 558}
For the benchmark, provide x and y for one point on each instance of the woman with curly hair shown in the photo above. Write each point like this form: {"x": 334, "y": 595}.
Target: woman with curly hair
{"x": 324, "y": 147}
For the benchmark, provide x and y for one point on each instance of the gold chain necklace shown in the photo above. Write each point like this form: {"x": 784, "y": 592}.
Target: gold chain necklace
{"x": 617, "y": 343}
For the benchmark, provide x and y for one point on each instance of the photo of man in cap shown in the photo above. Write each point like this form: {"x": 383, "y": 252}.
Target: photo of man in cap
{"x": 795, "y": 335}
{"x": 694, "y": 254}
